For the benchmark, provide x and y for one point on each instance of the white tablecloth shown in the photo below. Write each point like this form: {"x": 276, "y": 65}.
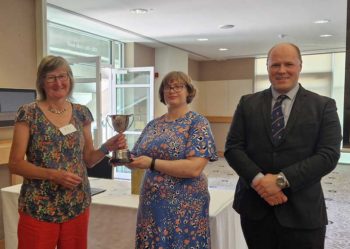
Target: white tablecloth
{"x": 113, "y": 217}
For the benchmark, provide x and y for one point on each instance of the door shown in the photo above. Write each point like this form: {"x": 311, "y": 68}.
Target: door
{"x": 133, "y": 94}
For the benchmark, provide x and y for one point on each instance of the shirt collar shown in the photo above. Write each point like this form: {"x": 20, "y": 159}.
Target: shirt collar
{"x": 291, "y": 94}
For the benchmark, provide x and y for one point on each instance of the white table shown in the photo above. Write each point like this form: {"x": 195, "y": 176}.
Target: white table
{"x": 113, "y": 217}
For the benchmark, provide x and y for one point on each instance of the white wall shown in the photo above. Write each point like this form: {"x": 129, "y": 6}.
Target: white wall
{"x": 220, "y": 98}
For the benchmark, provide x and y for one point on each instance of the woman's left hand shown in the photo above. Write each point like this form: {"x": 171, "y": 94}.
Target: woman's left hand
{"x": 116, "y": 142}
{"x": 141, "y": 162}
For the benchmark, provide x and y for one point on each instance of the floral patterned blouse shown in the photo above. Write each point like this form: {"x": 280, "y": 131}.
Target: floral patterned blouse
{"x": 49, "y": 148}
{"x": 174, "y": 212}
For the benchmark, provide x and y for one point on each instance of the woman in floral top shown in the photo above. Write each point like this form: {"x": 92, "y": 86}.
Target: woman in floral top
{"x": 174, "y": 148}
{"x": 54, "y": 135}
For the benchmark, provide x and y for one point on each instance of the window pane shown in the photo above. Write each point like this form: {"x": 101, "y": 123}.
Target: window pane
{"x": 124, "y": 77}
{"x": 85, "y": 94}
{"x": 117, "y": 54}
{"x": 69, "y": 42}
{"x": 84, "y": 70}
{"x": 134, "y": 101}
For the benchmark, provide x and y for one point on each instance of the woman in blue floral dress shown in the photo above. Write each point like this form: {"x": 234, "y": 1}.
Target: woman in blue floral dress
{"x": 51, "y": 148}
{"x": 174, "y": 148}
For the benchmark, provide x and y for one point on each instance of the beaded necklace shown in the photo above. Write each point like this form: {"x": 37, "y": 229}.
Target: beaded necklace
{"x": 56, "y": 111}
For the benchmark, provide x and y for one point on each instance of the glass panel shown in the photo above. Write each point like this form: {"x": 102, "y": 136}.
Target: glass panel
{"x": 117, "y": 54}
{"x": 69, "y": 42}
{"x": 85, "y": 94}
{"x": 134, "y": 101}
{"x": 125, "y": 77}
{"x": 132, "y": 139}
{"x": 84, "y": 70}
{"x": 106, "y": 105}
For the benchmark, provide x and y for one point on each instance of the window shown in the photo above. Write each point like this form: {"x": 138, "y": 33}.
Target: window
{"x": 68, "y": 42}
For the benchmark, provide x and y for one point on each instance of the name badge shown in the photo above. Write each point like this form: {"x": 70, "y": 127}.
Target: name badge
{"x": 68, "y": 129}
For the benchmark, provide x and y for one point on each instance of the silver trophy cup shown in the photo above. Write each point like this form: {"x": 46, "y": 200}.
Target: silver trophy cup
{"x": 120, "y": 123}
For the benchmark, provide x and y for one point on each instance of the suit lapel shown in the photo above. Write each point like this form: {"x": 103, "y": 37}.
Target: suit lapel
{"x": 266, "y": 111}
{"x": 295, "y": 111}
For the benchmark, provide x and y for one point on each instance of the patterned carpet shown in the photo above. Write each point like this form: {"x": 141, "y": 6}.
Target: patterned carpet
{"x": 336, "y": 187}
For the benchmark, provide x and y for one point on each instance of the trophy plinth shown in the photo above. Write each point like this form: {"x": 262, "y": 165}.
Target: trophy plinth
{"x": 120, "y": 157}
{"x": 120, "y": 123}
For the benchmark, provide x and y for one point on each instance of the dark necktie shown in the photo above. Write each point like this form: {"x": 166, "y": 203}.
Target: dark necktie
{"x": 277, "y": 120}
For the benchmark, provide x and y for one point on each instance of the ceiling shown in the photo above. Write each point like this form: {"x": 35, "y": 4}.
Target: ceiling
{"x": 258, "y": 24}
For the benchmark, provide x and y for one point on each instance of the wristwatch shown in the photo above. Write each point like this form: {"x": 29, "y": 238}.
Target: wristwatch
{"x": 281, "y": 181}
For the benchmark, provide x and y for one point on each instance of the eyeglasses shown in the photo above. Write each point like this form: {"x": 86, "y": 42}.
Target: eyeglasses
{"x": 52, "y": 78}
{"x": 175, "y": 88}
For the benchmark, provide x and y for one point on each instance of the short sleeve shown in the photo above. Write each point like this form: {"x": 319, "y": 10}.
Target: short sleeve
{"x": 24, "y": 114}
{"x": 143, "y": 133}
{"x": 84, "y": 115}
{"x": 201, "y": 140}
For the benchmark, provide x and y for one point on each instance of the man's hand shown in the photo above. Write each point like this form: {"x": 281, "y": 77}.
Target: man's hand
{"x": 259, "y": 183}
{"x": 266, "y": 186}
{"x": 276, "y": 199}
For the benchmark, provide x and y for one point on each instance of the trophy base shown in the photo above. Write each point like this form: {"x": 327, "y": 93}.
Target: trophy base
{"x": 119, "y": 161}
{"x": 120, "y": 157}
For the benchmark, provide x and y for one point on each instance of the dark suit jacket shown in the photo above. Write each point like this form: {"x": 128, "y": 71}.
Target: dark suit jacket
{"x": 309, "y": 150}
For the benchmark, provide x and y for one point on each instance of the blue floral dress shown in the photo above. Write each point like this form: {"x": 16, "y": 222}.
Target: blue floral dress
{"x": 174, "y": 212}
{"x": 48, "y": 148}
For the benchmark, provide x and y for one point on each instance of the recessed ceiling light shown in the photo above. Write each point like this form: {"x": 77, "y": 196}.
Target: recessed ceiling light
{"x": 202, "y": 39}
{"x": 227, "y": 26}
{"x": 223, "y": 49}
{"x": 322, "y": 21}
{"x": 326, "y": 35}
{"x": 281, "y": 36}
{"x": 139, "y": 11}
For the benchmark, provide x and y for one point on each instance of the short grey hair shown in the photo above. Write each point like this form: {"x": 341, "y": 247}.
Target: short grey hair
{"x": 47, "y": 65}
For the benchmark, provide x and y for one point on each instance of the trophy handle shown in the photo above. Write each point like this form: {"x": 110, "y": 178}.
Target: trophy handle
{"x": 109, "y": 124}
{"x": 133, "y": 118}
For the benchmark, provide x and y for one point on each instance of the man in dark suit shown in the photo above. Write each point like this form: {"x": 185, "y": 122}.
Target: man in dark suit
{"x": 281, "y": 147}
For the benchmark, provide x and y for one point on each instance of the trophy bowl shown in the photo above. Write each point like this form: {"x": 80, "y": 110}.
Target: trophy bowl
{"x": 120, "y": 123}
